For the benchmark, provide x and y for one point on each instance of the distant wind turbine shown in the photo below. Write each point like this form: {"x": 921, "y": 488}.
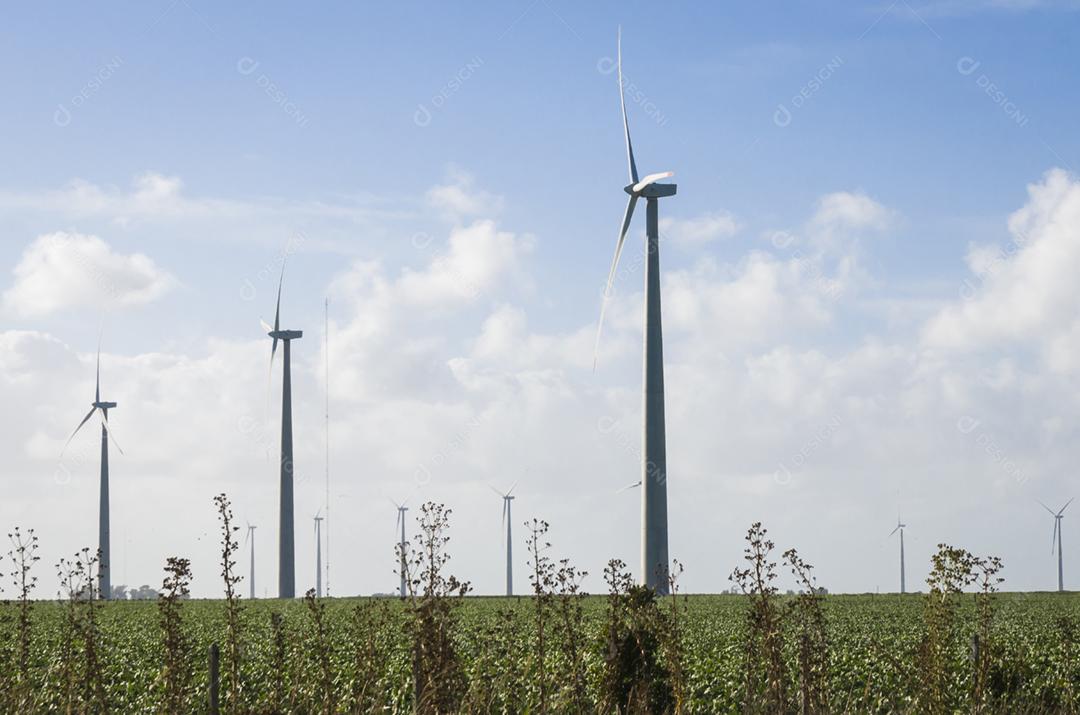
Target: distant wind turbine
{"x": 318, "y": 553}
{"x": 250, "y": 538}
{"x": 401, "y": 509}
{"x": 286, "y": 540}
{"x": 507, "y": 519}
{"x": 1055, "y": 541}
{"x": 654, "y": 523}
{"x": 900, "y": 527}
{"x": 104, "y": 567}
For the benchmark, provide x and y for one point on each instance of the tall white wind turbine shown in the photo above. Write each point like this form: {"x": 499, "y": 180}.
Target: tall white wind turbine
{"x": 286, "y": 536}
{"x": 99, "y": 405}
{"x": 509, "y": 536}
{"x": 654, "y": 522}
{"x": 900, "y": 528}
{"x": 1056, "y": 540}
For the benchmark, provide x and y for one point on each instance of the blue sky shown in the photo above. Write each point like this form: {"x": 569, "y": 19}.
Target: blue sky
{"x": 451, "y": 177}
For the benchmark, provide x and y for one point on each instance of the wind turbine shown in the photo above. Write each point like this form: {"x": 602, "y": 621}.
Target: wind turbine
{"x": 1056, "y": 540}
{"x": 286, "y": 542}
{"x": 318, "y": 553}
{"x": 654, "y": 525}
{"x": 900, "y": 527}
{"x": 507, "y": 520}
{"x": 401, "y": 509}
{"x": 104, "y": 577}
{"x": 250, "y": 538}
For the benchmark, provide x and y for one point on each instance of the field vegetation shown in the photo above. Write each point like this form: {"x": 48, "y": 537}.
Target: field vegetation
{"x": 961, "y": 646}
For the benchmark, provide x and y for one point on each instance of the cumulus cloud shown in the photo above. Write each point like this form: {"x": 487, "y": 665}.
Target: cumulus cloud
{"x": 460, "y": 198}
{"x": 843, "y": 212}
{"x": 61, "y": 270}
{"x": 701, "y": 229}
{"x": 1025, "y": 290}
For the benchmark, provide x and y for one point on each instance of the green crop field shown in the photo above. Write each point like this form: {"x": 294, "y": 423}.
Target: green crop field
{"x": 360, "y": 659}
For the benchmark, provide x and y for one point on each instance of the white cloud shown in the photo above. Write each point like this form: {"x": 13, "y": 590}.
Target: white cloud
{"x": 460, "y": 198}
{"x": 844, "y": 212}
{"x": 1026, "y": 290}
{"x": 701, "y": 229}
{"x": 62, "y": 270}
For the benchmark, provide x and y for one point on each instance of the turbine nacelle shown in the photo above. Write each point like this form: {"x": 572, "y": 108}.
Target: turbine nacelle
{"x": 104, "y": 405}
{"x": 650, "y": 189}
{"x": 286, "y": 334}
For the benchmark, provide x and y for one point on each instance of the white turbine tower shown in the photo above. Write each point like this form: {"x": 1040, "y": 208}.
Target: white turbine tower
{"x": 507, "y": 519}
{"x": 286, "y": 467}
{"x": 105, "y": 563}
{"x": 318, "y": 553}
{"x": 900, "y": 527}
{"x": 402, "y": 586}
{"x": 1055, "y": 541}
{"x": 654, "y": 523}
{"x": 250, "y": 539}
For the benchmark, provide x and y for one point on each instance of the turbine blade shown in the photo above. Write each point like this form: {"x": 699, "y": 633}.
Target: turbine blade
{"x": 108, "y": 431}
{"x": 894, "y": 530}
{"x": 84, "y": 421}
{"x": 626, "y": 123}
{"x": 496, "y": 490}
{"x": 629, "y": 214}
{"x": 266, "y": 326}
{"x": 652, "y": 179}
{"x": 1048, "y": 509}
{"x": 277, "y": 310}
{"x": 511, "y": 489}
{"x": 97, "y": 375}
{"x": 628, "y": 487}
{"x": 1065, "y": 507}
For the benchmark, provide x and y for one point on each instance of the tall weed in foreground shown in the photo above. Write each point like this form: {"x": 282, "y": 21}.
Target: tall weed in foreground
{"x": 17, "y": 688}
{"x": 557, "y": 667}
{"x": 672, "y": 638}
{"x": 542, "y": 579}
{"x": 233, "y": 692}
{"x": 635, "y": 679}
{"x": 573, "y": 637}
{"x": 763, "y": 677}
{"x": 985, "y": 649}
{"x": 811, "y": 638}
{"x": 175, "y": 678}
{"x": 80, "y": 656}
{"x": 439, "y": 681}
{"x": 942, "y": 655}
